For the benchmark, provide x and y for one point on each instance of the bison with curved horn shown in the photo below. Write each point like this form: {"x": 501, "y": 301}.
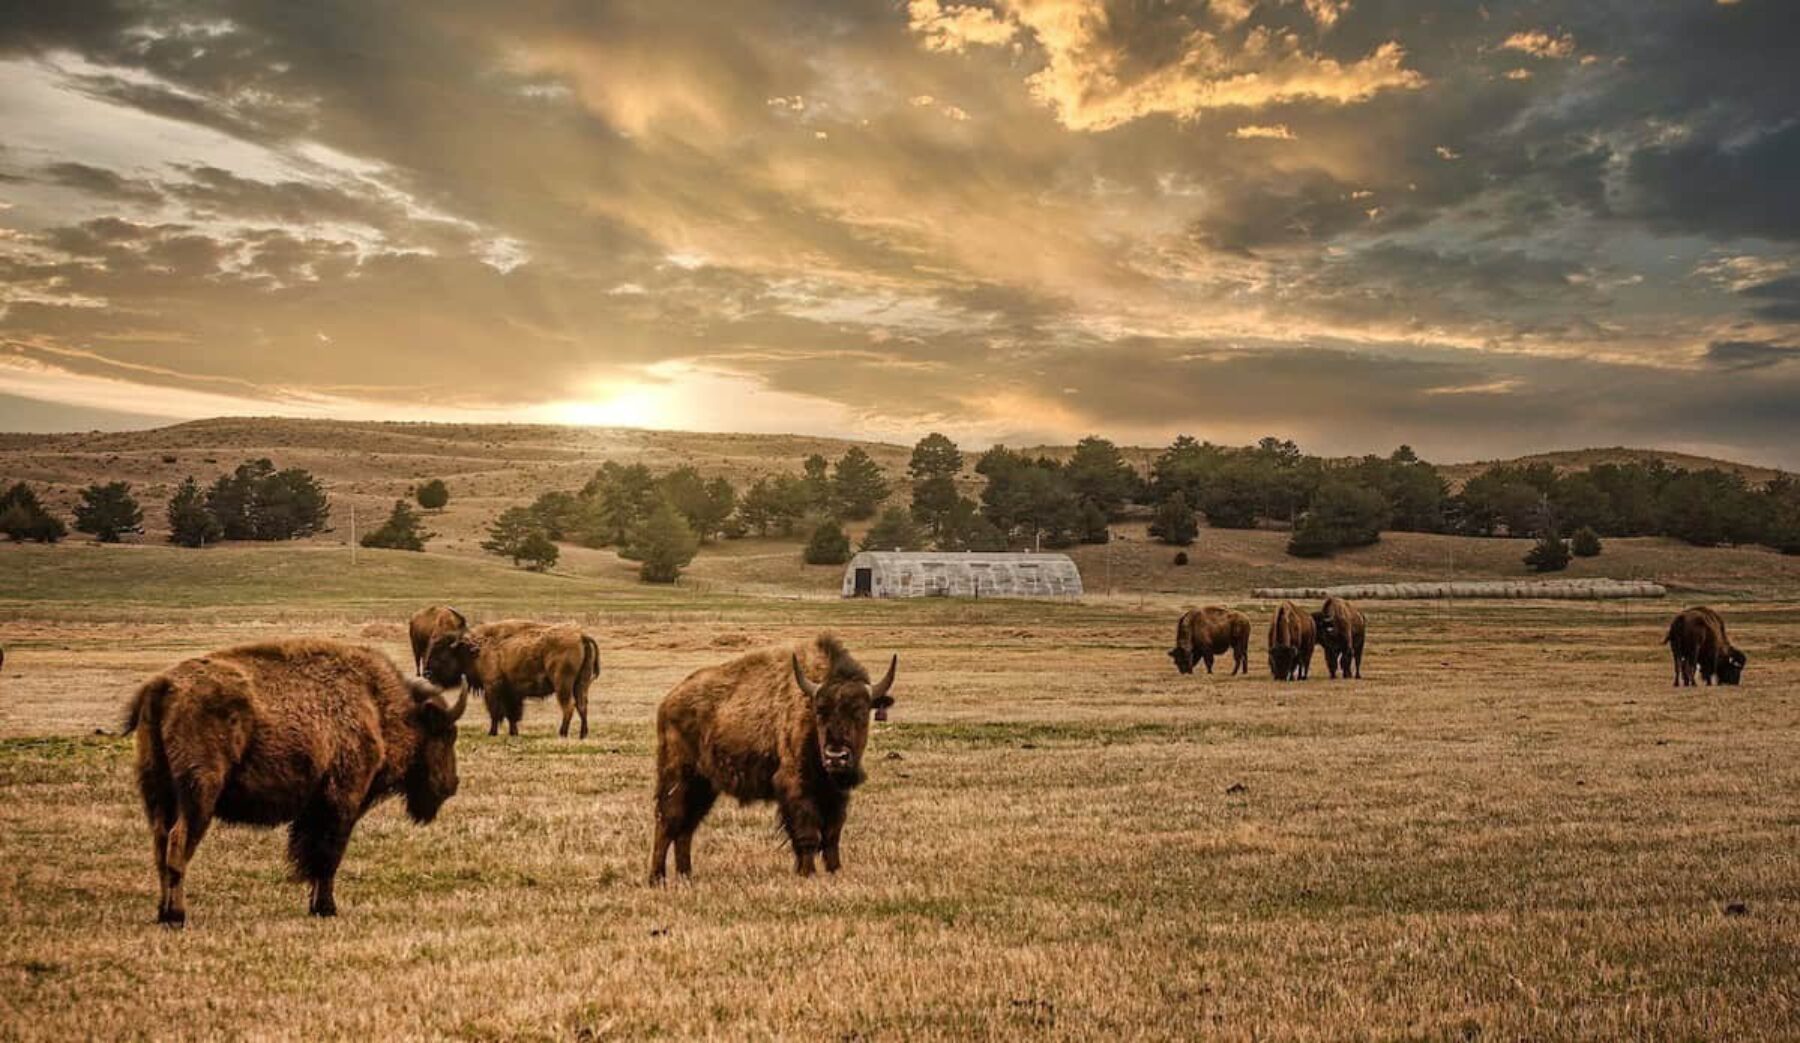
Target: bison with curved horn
{"x": 306, "y": 732}
{"x": 1341, "y": 628}
{"x": 426, "y": 624}
{"x": 1697, "y": 640}
{"x": 513, "y": 660}
{"x": 1205, "y": 633}
{"x": 781, "y": 724}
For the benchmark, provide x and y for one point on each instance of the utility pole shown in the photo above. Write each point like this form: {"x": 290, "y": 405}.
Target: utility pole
{"x": 352, "y": 535}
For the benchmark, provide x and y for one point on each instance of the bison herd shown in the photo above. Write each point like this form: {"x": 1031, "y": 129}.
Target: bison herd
{"x": 312, "y": 733}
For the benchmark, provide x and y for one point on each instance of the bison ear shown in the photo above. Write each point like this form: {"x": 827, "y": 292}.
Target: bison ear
{"x": 811, "y": 690}
{"x": 878, "y": 695}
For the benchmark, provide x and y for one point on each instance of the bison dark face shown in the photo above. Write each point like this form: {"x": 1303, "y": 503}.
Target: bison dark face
{"x": 1323, "y": 624}
{"x": 449, "y": 659}
{"x": 1282, "y": 659}
{"x": 431, "y": 778}
{"x": 1731, "y": 668}
{"x": 1184, "y": 660}
{"x": 841, "y": 709}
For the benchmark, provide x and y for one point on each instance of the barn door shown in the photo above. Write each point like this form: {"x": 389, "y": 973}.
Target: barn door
{"x": 865, "y": 582}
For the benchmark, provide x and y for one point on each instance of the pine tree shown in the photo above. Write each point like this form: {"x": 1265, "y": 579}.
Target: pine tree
{"x": 1585, "y": 543}
{"x": 1549, "y": 553}
{"x": 1174, "y": 523}
{"x": 519, "y": 534}
{"x": 403, "y": 530}
{"x": 108, "y": 511}
{"x": 664, "y": 544}
{"x": 857, "y": 484}
{"x": 190, "y": 523}
{"x": 894, "y": 530}
{"x": 22, "y": 517}
{"x": 829, "y": 545}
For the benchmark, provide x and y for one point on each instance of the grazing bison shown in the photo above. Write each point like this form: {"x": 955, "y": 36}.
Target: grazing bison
{"x": 1696, "y": 638}
{"x": 1291, "y": 637}
{"x": 1341, "y": 628}
{"x": 307, "y": 732}
{"x": 786, "y": 724}
{"x": 1212, "y": 631}
{"x": 512, "y": 661}
{"x": 428, "y": 623}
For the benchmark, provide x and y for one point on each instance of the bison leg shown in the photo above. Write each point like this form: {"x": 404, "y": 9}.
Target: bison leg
{"x": 680, "y": 808}
{"x": 832, "y": 831}
{"x": 495, "y": 708}
{"x": 581, "y": 700}
{"x": 700, "y": 797}
{"x": 801, "y": 819}
{"x": 1208, "y": 660}
{"x": 195, "y": 800}
{"x": 566, "y": 702}
{"x": 316, "y": 842}
{"x": 515, "y": 711}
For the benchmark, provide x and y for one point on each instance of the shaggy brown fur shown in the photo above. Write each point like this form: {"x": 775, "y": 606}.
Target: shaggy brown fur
{"x": 514, "y": 660}
{"x": 1204, "y": 633}
{"x": 1341, "y": 628}
{"x": 428, "y": 623}
{"x": 1697, "y": 639}
{"x": 1291, "y": 637}
{"x": 307, "y": 732}
{"x": 785, "y": 724}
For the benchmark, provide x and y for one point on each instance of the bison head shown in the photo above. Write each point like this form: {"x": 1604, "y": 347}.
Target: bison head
{"x": 1326, "y": 628}
{"x": 1184, "y": 659}
{"x": 1282, "y": 660}
{"x": 431, "y": 778}
{"x": 449, "y": 658}
{"x": 1731, "y": 667}
{"x": 841, "y": 708}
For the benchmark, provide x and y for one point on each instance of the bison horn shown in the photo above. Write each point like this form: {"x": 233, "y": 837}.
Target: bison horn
{"x": 462, "y": 703}
{"x": 811, "y": 690}
{"x": 880, "y": 691}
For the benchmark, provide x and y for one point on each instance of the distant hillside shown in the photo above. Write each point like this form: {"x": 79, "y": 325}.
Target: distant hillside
{"x": 1581, "y": 459}
{"x": 492, "y": 466}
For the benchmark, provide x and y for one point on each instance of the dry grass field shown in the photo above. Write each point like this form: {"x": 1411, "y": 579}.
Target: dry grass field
{"x": 1512, "y": 828}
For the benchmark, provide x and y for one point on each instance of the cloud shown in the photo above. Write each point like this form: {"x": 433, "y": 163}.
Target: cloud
{"x": 957, "y": 27}
{"x": 1749, "y": 354}
{"x": 1274, "y": 132}
{"x": 1540, "y": 44}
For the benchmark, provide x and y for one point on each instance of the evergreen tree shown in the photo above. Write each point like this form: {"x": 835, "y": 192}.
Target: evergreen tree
{"x": 1585, "y": 543}
{"x": 704, "y": 504}
{"x": 536, "y": 552}
{"x": 815, "y": 484}
{"x": 1174, "y": 523}
{"x": 1091, "y": 524}
{"x": 519, "y": 534}
{"x": 403, "y": 530}
{"x": 108, "y": 511}
{"x": 664, "y": 545}
{"x": 190, "y": 523}
{"x": 828, "y": 545}
{"x": 1098, "y": 474}
{"x": 893, "y": 530}
{"x": 1341, "y": 515}
{"x": 434, "y": 495}
{"x": 22, "y": 517}
{"x": 857, "y": 484}
{"x": 1549, "y": 554}
{"x": 257, "y": 502}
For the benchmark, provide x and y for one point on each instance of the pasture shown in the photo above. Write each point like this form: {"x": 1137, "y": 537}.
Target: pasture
{"x": 1513, "y": 827}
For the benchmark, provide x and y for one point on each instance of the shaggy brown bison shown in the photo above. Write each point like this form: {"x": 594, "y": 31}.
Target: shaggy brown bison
{"x": 307, "y": 732}
{"x": 786, "y": 724}
{"x": 1341, "y": 627}
{"x": 512, "y": 661}
{"x": 428, "y": 623}
{"x": 1204, "y": 633}
{"x": 1291, "y": 637}
{"x": 1696, "y": 639}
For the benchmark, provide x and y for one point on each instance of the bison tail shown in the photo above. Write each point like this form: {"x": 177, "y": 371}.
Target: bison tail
{"x": 590, "y": 657}
{"x": 142, "y": 707}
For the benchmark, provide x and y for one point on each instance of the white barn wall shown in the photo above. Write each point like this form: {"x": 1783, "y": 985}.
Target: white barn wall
{"x": 916, "y": 574}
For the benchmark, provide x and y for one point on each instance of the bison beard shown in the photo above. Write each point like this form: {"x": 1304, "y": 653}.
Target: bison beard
{"x": 306, "y": 732}
{"x": 760, "y": 727}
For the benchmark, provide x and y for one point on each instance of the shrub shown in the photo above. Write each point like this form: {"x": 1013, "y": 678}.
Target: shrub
{"x": 1342, "y": 515}
{"x": 664, "y": 544}
{"x": 537, "y": 553}
{"x": 1585, "y": 543}
{"x": 1174, "y": 523}
{"x": 403, "y": 530}
{"x": 1549, "y": 554}
{"x": 1181, "y": 557}
{"x": 828, "y": 546}
{"x": 22, "y": 517}
{"x": 108, "y": 511}
{"x": 190, "y": 523}
{"x": 433, "y": 495}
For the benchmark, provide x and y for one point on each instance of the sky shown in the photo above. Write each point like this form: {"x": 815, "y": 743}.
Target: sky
{"x": 1480, "y": 229}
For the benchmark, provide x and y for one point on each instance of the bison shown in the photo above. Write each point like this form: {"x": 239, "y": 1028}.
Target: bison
{"x": 1212, "y": 631}
{"x": 308, "y": 732}
{"x": 513, "y": 660}
{"x": 1341, "y": 628}
{"x": 1291, "y": 638}
{"x": 1696, "y": 638}
{"x": 786, "y": 724}
{"x": 428, "y": 623}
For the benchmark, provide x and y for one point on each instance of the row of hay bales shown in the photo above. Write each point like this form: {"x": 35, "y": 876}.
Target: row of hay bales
{"x": 1553, "y": 589}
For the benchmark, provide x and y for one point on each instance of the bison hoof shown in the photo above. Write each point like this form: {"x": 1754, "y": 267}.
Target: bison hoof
{"x": 176, "y": 918}
{"x": 323, "y": 909}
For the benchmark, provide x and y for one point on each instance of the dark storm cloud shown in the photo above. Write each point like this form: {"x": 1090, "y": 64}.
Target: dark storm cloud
{"x": 1347, "y": 220}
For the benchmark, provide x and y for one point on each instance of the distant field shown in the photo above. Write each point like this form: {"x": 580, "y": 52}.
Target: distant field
{"x": 1512, "y": 828}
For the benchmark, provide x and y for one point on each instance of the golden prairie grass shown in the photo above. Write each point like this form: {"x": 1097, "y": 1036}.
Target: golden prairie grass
{"x": 1512, "y": 828}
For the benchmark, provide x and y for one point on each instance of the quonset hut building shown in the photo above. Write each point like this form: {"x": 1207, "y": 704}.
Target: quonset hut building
{"x": 920, "y": 574}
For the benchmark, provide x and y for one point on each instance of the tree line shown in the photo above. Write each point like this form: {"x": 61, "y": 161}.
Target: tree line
{"x": 255, "y": 501}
